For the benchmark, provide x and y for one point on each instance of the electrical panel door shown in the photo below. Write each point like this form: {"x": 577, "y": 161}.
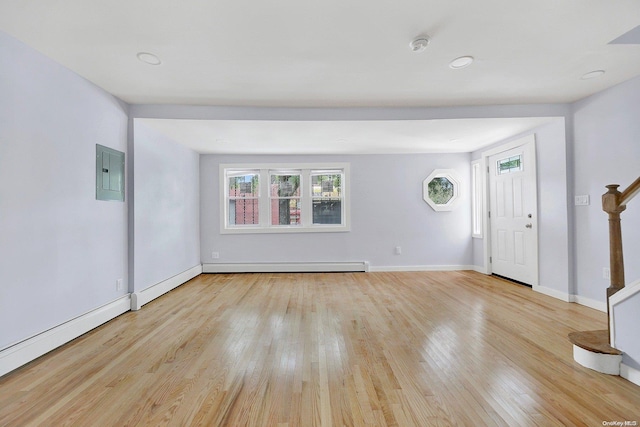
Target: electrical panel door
{"x": 109, "y": 174}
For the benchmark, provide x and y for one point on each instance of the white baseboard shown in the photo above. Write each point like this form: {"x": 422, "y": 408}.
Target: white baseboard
{"x": 563, "y": 296}
{"x": 480, "y": 269}
{"x": 286, "y": 267}
{"x": 24, "y": 352}
{"x": 630, "y": 374}
{"x": 422, "y": 268}
{"x": 138, "y": 299}
{"x": 588, "y": 302}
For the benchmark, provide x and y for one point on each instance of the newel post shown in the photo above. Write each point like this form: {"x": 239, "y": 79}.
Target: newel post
{"x": 611, "y": 205}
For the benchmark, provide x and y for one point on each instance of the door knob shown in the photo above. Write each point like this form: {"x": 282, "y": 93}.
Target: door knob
{"x": 529, "y": 225}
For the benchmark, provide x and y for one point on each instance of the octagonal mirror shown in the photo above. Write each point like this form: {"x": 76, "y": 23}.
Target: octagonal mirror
{"x": 441, "y": 189}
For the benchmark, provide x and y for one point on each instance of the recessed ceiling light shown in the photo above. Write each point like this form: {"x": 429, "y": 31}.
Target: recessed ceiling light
{"x": 419, "y": 44}
{"x": 149, "y": 58}
{"x": 592, "y": 74}
{"x": 463, "y": 61}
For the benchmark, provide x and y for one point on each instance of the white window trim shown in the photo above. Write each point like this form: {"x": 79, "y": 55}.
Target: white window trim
{"x": 477, "y": 198}
{"x": 305, "y": 199}
{"x": 453, "y": 177}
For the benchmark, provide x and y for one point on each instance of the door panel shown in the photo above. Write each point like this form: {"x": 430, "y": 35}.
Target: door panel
{"x": 517, "y": 198}
{"x": 502, "y": 245}
{"x": 519, "y": 247}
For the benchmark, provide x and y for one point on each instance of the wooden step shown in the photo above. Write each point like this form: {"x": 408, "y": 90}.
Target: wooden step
{"x": 594, "y": 341}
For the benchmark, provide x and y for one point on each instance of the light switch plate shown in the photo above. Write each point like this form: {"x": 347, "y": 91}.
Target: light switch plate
{"x": 582, "y": 200}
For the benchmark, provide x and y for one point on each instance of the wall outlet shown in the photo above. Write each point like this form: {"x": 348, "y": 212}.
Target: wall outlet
{"x": 119, "y": 285}
{"x": 398, "y": 250}
{"x": 215, "y": 255}
{"x": 606, "y": 273}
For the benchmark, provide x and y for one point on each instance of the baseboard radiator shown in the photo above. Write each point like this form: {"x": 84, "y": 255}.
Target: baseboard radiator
{"x": 25, "y": 351}
{"x": 288, "y": 267}
{"x": 140, "y": 298}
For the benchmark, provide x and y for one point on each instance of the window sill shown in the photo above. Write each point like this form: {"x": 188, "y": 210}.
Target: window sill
{"x": 285, "y": 229}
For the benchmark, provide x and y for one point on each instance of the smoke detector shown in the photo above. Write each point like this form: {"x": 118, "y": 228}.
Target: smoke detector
{"x": 419, "y": 44}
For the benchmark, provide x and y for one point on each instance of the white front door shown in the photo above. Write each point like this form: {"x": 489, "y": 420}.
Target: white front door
{"x": 513, "y": 214}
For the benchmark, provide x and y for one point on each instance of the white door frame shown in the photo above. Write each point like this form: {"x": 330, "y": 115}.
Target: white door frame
{"x": 486, "y": 223}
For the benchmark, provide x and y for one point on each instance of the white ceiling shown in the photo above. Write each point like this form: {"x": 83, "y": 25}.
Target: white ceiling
{"x": 340, "y": 137}
{"x": 336, "y": 53}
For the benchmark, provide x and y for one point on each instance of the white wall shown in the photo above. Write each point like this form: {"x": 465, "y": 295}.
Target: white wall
{"x": 553, "y": 208}
{"x": 167, "y": 208}
{"x": 387, "y": 210}
{"x": 607, "y": 151}
{"x": 263, "y": 113}
{"x": 554, "y": 229}
{"x": 61, "y": 250}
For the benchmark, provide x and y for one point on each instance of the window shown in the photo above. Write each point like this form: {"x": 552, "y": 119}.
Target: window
{"x": 243, "y": 194}
{"x": 477, "y": 206}
{"x": 284, "y": 198}
{"x": 441, "y": 189}
{"x": 326, "y": 193}
{"x": 510, "y": 165}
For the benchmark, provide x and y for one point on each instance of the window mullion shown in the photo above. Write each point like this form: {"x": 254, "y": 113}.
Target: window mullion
{"x": 224, "y": 178}
{"x": 343, "y": 202}
{"x": 264, "y": 196}
{"x": 306, "y": 204}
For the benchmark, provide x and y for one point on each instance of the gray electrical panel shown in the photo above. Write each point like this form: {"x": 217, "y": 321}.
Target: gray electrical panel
{"x": 109, "y": 174}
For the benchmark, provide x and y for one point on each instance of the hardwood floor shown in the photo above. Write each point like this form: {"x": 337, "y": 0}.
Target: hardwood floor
{"x": 330, "y": 349}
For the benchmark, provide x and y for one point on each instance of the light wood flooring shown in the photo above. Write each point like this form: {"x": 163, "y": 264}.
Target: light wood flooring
{"x": 327, "y": 349}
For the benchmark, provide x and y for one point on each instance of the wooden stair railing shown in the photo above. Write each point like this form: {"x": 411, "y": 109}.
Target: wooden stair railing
{"x": 614, "y": 203}
{"x": 630, "y": 192}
